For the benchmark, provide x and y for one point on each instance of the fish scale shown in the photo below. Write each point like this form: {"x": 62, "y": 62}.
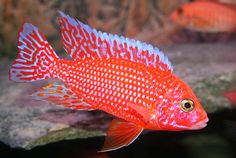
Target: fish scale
{"x": 109, "y": 84}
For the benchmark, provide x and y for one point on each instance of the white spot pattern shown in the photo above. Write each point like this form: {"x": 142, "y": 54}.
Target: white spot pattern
{"x": 35, "y": 56}
{"x": 104, "y": 89}
{"x": 80, "y": 41}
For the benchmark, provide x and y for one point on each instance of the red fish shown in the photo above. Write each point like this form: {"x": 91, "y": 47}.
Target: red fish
{"x": 206, "y": 16}
{"x": 231, "y": 96}
{"x": 129, "y": 79}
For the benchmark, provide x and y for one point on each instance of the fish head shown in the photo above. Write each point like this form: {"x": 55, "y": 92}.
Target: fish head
{"x": 180, "y": 109}
{"x": 181, "y": 16}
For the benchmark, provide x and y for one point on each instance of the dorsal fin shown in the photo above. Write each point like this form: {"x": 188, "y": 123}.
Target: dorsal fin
{"x": 80, "y": 41}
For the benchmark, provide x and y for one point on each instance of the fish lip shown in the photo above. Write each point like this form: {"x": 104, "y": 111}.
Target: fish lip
{"x": 201, "y": 124}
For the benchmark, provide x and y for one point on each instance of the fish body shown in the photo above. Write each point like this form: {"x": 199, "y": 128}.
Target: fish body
{"x": 122, "y": 88}
{"x": 129, "y": 79}
{"x": 206, "y": 16}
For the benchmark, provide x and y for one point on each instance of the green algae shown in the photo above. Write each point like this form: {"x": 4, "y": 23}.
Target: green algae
{"x": 63, "y": 134}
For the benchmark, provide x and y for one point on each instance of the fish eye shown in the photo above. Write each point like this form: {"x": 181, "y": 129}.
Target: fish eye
{"x": 180, "y": 11}
{"x": 187, "y": 105}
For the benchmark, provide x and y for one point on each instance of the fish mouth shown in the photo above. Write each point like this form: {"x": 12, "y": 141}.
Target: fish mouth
{"x": 201, "y": 124}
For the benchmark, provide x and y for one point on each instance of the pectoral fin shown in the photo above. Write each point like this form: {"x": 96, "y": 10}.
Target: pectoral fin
{"x": 144, "y": 112}
{"x": 120, "y": 133}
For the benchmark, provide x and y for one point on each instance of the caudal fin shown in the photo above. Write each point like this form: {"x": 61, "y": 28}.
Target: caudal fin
{"x": 35, "y": 56}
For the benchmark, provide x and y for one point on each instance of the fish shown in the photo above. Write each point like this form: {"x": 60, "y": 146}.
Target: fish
{"x": 206, "y": 16}
{"x": 231, "y": 96}
{"x": 129, "y": 79}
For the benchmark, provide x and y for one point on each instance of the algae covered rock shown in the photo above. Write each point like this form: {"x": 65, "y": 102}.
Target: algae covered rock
{"x": 210, "y": 91}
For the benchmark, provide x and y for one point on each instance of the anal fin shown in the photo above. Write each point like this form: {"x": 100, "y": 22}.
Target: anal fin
{"x": 60, "y": 94}
{"x": 120, "y": 133}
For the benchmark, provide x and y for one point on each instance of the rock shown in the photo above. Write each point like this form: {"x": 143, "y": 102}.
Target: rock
{"x": 25, "y": 123}
{"x": 210, "y": 91}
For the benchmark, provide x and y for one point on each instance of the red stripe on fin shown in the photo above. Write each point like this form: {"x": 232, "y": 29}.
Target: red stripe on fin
{"x": 120, "y": 133}
{"x": 60, "y": 94}
{"x": 81, "y": 41}
{"x": 35, "y": 56}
